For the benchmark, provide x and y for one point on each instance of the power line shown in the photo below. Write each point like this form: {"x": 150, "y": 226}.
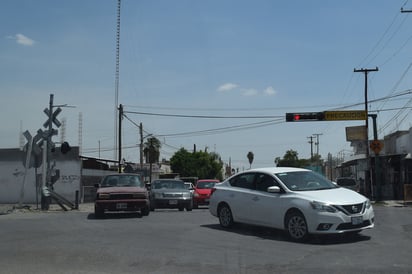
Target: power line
{"x": 202, "y": 116}
{"x": 222, "y": 130}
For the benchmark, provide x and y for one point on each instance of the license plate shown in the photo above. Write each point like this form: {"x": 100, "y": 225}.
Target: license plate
{"x": 172, "y": 202}
{"x": 357, "y": 220}
{"x": 121, "y": 205}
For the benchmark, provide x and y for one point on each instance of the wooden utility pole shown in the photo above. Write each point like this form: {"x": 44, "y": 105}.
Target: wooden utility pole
{"x": 367, "y": 172}
{"x": 317, "y": 142}
{"x": 311, "y": 147}
{"x": 120, "y": 138}
{"x": 141, "y": 146}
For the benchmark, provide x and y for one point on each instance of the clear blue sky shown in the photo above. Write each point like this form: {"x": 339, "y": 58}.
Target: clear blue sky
{"x": 234, "y": 58}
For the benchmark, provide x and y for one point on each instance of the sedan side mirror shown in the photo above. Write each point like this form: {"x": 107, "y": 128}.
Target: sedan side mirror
{"x": 96, "y": 185}
{"x": 274, "y": 189}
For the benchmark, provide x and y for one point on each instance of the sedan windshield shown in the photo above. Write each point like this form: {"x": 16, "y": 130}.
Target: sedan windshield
{"x": 122, "y": 180}
{"x": 204, "y": 185}
{"x": 304, "y": 181}
{"x": 168, "y": 184}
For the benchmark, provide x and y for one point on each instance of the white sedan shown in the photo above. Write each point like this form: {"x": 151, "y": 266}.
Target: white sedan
{"x": 298, "y": 200}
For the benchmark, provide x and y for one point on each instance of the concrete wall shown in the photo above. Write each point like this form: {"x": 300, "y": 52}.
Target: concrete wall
{"x": 403, "y": 143}
{"x": 11, "y": 183}
{"x": 13, "y": 173}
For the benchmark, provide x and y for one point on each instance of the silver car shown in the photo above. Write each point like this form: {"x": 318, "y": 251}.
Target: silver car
{"x": 170, "y": 193}
{"x": 297, "y": 200}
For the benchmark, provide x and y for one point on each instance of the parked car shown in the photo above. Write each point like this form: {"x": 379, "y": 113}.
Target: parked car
{"x": 190, "y": 187}
{"x": 170, "y": 193}
{"x": 121, "y": 192}
{"x": 202, "y": 191}
{"x": 348, "y": 182}
{"x": 297, "y": 200}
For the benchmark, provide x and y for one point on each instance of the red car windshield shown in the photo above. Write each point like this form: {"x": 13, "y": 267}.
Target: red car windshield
{"x": 204, "y": 185}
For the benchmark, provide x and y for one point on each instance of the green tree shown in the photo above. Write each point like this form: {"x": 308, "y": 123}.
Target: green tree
{"x": 199, "y": 164}
{"x": 290, "y": 159}
{"x": 250, "y": 157}
{"x": 152, "y": 152}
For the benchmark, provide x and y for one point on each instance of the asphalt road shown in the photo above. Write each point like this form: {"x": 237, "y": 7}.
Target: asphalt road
{"x": 169, "y": 241}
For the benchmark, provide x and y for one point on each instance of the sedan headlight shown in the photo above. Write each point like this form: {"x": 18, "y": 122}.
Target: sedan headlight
{"x": 322, "y": 207}
{"x": 104, "y": 196}
{"x": 158, "y": 195}
{"x": 368, "y": 204}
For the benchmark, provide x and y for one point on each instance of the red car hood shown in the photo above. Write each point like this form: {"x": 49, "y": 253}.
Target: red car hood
{"x": 203, "y": 191}
{"x": 121, "y": 189}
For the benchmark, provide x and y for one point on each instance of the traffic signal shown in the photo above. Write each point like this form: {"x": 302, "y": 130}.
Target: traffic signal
{"x": 65, "y": 147}
{"x": 305, "y": 116}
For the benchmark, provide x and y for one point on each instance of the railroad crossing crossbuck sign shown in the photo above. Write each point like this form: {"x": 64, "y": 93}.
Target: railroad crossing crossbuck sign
{"x": 52, "y": 117}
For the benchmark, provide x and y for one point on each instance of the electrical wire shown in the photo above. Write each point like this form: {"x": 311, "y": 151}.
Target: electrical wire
{"x": 201, "y": 116}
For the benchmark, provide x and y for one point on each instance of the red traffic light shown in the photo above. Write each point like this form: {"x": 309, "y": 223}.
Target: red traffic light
{"x": 305, "y": 116}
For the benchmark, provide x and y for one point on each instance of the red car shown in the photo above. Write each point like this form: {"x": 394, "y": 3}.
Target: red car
{"x": 121, "y": 192}
{"x": 202, "y": 191}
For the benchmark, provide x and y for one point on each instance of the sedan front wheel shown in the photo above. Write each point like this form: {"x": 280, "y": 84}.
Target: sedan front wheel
{"x": 225, "y": 216}
{"x": 296, "y": 226}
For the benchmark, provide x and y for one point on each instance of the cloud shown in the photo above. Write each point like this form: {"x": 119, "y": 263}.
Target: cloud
{"x": 269, "y": 91}
{"x": 22, "y": 39}
{"x": 250, "y": 92}
{"x": 227, "y": 87}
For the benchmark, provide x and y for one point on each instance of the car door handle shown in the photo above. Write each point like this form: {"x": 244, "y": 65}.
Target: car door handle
{"x": 256, "y": 198}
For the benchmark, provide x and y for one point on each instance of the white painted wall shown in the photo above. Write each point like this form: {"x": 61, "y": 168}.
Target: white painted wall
{"x": 403, "y": 143}
{"x": 12, "y": 174}
{"x": 11, "y": 182}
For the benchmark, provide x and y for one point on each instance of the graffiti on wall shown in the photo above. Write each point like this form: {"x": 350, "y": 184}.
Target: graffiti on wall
{"x": 18, "y": 173}
{"x": 69, "y": 179}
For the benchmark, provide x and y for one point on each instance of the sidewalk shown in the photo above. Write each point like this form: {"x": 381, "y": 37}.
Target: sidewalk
{"x": 33, "y": 208}
{"x": 393, "y": 203}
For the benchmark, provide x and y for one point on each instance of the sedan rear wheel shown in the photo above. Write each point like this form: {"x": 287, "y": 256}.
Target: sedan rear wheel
{"x": 225, "y": 216}
{"x": 296, "y": 226}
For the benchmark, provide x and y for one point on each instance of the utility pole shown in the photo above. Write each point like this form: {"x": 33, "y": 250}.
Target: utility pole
{"x": 141, "y": 145}
{"x": 367, "y": 172}
{"x": 311, "y": 147}
{"x": 120, "y": 138}
{"x": 317, "y": 142}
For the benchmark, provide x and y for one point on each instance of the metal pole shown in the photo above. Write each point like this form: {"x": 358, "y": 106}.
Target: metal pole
{"x": 377, "y": 161}
{"x": 44, "y": 205}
